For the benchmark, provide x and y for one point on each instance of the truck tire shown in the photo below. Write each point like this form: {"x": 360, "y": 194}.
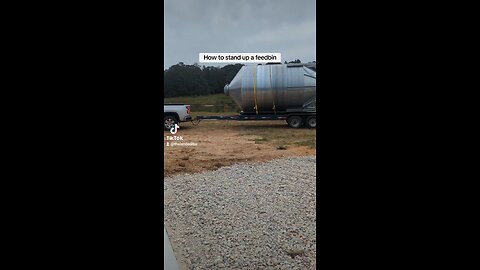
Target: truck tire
{"x": 311, "y": 122}
{"x": 295, "y": 121}
{"x": 169, "y": 122}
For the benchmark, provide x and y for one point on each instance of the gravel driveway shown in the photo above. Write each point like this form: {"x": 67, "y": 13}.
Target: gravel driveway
{"x": 245, "y": 216}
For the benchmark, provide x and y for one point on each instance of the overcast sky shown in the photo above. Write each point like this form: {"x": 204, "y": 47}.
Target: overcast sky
{"x": 238, "y": 26}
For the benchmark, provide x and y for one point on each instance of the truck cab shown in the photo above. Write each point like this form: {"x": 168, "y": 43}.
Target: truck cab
{"x": 174, "y": 114}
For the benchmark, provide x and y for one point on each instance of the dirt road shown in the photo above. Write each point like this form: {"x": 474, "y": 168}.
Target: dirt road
{"x": 222, "y": 143}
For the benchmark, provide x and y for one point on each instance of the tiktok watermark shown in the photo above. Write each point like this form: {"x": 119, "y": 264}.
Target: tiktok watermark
{"x": 174, "y": 129}
{"x": 176, "y": 140}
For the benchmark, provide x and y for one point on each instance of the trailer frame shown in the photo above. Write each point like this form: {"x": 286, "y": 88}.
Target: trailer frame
{"x": 294, "y": 119}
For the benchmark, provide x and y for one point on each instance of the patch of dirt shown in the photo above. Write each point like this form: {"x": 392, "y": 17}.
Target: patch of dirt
{"x": 223, "y": 143}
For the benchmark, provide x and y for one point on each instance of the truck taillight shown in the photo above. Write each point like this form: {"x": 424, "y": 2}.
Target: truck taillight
{"x": 188, "y": 109}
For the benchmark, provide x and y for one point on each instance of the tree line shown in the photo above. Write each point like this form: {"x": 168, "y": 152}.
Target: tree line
{"x": 193, "y": 80}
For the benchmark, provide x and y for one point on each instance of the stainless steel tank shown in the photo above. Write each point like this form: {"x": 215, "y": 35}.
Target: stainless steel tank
{"x": 272, "y": 88}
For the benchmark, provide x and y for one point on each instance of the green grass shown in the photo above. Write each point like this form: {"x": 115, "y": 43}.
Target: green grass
{"x": 283, "y": 137}
{"x": 259, "y": 140}
{"x": 310, "y": 142}
{"x": 205, "y": 100}
{"x": 222, "y": 104}
{"x": 195, "y": 114}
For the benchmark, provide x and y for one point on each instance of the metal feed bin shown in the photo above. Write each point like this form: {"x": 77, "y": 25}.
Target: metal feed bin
{"x": 264, "y": 89}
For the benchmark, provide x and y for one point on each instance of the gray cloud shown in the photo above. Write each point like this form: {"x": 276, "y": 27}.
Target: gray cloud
{"x": 233, "y": 26}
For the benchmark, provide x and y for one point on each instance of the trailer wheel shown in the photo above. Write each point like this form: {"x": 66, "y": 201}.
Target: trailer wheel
{"x": 295, "y": 121}
{"x": 169, "y": 122}
{"x": 311, "y": 122}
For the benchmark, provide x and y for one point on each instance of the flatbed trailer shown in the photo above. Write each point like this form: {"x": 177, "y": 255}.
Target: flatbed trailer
{"x": 294, "y": 119}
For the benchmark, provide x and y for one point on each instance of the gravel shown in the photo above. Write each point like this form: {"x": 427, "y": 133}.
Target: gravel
{"x": 245, "y": 216}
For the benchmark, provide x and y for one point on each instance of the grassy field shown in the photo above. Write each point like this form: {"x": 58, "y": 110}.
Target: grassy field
{"x": 210, "y": 99}
{"x": 283, "y": 137}
{"x": 270, "y": 132}
{"x": 195, "y": 114}
{"x": 218, "y": 104}
{"x": 276, "y": 133}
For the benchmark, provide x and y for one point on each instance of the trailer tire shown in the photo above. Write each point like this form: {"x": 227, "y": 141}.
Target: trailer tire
{"x": 169, "y": 122}
{"x": 311, "y": 122}
{"x": 295, "y": 121}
